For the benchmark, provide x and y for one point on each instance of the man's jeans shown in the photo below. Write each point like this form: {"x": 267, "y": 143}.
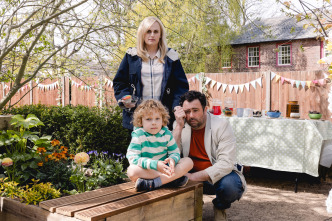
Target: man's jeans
{"x": 227, "y": 190}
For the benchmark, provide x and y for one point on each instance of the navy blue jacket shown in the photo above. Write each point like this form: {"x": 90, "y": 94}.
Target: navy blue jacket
{"x": 127, "y": 81}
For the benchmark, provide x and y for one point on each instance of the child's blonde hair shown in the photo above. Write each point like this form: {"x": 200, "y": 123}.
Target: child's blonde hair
{"x": 146, "y": 107}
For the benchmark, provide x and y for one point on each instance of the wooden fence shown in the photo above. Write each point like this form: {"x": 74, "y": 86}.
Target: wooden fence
{"x": 271, "y": 94}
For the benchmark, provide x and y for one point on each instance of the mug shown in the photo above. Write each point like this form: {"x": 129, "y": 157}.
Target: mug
{"x": 248, "y": 112}
{"x": 239, "y": 112}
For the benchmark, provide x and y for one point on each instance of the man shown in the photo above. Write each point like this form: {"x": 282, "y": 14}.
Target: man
{"x": 209, "y": 141}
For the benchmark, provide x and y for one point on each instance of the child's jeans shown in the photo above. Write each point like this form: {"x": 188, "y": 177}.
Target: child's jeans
{"x": 227, "y": 190}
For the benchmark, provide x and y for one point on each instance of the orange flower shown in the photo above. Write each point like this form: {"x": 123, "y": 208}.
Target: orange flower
{"x": 41, "y": 150}
{"x": 71, "y": 156}
{"x": 55, "y": 142}
{"x": 40, "y": 164}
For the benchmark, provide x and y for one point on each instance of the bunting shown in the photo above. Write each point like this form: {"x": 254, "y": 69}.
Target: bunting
{"x": 297, "y": 83}
{"x": 224, "y": 86}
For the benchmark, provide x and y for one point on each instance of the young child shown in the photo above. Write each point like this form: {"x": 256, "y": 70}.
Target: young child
{"x": 153, "y": 154}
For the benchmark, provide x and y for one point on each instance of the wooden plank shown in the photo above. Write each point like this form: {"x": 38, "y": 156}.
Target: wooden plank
{"x": 70, "y": 209}
{"x": 17, "y": 211}
{"x": 198, "y": 203}
{"x": 177, "y": 208}
{"x": 51, "y": 205}
{"x": 124, "y": 205}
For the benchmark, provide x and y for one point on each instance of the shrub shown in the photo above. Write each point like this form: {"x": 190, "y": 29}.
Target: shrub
{"x": 80, "y": 127}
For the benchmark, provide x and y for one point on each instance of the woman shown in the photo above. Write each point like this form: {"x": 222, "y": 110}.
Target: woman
{"x": 150, "y": 71}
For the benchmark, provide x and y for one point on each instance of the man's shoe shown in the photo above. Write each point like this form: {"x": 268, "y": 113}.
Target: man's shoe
{"x": 143, "y": 184}
{"x": 219, "y": 214}
{"x": 179, "y": 182}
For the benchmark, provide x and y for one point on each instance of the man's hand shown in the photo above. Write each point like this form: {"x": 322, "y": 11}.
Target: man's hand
{"x": 162, "y": 167}
{"x": 180, "y": 116}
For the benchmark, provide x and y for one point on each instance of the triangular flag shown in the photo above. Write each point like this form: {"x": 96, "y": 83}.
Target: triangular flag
{"x": 308, "y": 84}
{"x": 277, "y": 77}
{"x": 111, "y": 84}
{"x": 236, "y": 87}
{"x": 272, "y": 75}
{"x": 321, "y": 82}
{"x": 292, "y": 82}
{"x": 224, "y": 86}
{"x": 212, "y": 83}
{"x": 297, "y": 84}
{"x": 193, "y": 79}
{"x": 326, "y": 75}
{"x": 241, "y": 87}
{"x": 282, "y": 80}
{"x": 287, "y": 79}
{"x": 247, "y": 86}
{"x": 230, "y": 87}
{"x": 259, "y": 81}
{"x": 218, "y": 85}
{"x": 253, "y": 83}
{"x": 303, "y": 84}
{"x": 315, "y": 82}
{"x": 207, "y": 80}
{"x": 197, "y": 76}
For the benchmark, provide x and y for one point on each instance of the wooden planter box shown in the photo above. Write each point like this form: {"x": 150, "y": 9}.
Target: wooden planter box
{"x": 120, "y": 202}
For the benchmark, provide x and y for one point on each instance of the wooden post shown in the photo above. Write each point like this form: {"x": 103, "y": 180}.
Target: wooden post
{"x": 63, "y": 79}
{"x": 268, "y": 90}
{"x": 3, "y": 89}
{"x": 100, "y": 91}
{"x": 31, "y": 92}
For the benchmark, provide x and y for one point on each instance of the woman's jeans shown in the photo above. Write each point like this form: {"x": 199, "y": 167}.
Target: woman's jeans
{"x": 227, "y": 190}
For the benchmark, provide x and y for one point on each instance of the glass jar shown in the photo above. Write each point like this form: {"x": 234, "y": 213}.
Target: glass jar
{"x": 216, "y": 107}
{"x": 292, "y": 107}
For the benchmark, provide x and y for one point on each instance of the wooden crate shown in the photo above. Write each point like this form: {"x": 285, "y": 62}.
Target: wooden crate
{"x": 119, "y": 202}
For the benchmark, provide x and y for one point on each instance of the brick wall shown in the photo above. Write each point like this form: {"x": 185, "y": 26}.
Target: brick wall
{"x": 304, "y": 55}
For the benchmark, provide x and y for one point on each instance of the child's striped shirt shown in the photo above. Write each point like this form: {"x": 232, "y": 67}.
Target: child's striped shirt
{"x": 145, "y": 149}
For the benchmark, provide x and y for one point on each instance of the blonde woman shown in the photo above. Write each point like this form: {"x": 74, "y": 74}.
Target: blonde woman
{"x": 150, "y": 71}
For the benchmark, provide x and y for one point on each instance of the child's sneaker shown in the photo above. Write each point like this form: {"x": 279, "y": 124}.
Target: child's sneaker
{"x": 179, "y": 182}
{"x": 143, "y": 184}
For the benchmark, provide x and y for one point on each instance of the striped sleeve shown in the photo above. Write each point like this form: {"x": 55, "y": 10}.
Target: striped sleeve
{"x": 172, "y": 148}
{"x": 134, "y": 154}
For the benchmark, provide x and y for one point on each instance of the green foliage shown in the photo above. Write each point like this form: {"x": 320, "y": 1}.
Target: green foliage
{"x": 30, "y": 194}
{"x": 16, "y": 141}
{"x": 81, "y": 128}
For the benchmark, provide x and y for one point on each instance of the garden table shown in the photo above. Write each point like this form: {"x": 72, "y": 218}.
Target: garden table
{"x": 283, "y": 144}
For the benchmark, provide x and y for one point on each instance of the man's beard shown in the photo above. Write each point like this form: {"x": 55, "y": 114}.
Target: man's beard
{"x": 195, "y": 124}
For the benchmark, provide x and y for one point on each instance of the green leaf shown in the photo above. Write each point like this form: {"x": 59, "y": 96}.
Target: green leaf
{"x": 33, "y": 165}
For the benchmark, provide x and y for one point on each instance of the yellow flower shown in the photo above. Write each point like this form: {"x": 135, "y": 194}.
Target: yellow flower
{"x": 321, "y": 61}
{"x": 6, "y": 162}
{"x": 81, "y": 158}
{"x": 329, "y": 46}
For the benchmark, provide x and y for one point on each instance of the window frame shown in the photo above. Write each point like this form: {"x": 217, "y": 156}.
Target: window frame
{"x": 290, "y": 54}
{"x": 230, "y": 62}
{"x": 259, "y": 56}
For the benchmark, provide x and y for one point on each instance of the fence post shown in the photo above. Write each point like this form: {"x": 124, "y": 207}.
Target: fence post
{"x": 31, "y": 93}
{"x": 3, "y": 89}
{"x": 268, "y": 90}
{"x": 100, "y": 91}
{"x": 63, "y": 94}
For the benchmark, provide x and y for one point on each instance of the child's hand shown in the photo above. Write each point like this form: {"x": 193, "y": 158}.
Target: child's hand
{"x": 171, "y": 164}
{"x": 162, "y": 167}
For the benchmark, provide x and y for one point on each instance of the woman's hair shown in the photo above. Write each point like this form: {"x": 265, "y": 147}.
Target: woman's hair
{"x": 142, "y": 29}
{"x": 146, "y": 108}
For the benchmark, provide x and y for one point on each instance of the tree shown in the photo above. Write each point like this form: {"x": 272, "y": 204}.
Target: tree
{"x": 199, "y": 30}
{"x": 52, "y": 36}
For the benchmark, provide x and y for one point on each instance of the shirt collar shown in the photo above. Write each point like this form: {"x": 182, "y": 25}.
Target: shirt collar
{"x": 157, "y": 54}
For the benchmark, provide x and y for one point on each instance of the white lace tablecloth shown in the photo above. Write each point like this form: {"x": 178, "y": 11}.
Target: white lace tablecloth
{"x": 283, "y": 144}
